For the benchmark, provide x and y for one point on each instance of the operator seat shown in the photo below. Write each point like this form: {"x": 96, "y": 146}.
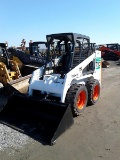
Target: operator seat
{"x": 63, "y": 64}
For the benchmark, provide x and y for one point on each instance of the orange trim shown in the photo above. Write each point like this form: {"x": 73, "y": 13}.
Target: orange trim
{"x": 96, "y": 92}
{"x": 81, "y": 99}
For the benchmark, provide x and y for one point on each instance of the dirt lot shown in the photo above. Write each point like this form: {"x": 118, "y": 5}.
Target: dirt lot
{"x": 95, "y": 134}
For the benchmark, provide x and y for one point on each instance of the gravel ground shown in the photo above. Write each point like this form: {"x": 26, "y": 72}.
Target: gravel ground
{"x": 12, "y": 139}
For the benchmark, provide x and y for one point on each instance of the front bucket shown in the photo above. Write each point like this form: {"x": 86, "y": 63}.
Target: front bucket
{"x": 28, "y": 115}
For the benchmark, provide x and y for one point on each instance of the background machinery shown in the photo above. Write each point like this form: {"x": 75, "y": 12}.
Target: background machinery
{"x": 9, "y": 70}
{"x": 57, "y": 93}
{"x": 31, "y": 59}
{"x": 110, "y": 51}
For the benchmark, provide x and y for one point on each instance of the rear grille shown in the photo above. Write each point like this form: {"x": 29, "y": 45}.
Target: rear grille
{"x": 78, "y": 58}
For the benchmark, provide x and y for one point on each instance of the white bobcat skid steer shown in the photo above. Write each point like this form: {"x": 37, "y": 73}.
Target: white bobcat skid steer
{"x": 59, "y": 91}
{"x": 76, "y": 78}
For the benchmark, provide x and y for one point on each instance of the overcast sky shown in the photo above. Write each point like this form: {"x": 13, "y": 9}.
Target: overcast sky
{"x": 34, "y": 19}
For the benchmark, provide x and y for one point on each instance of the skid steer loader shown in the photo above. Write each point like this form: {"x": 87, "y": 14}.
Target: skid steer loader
{"x": 9, "y": 71}
{"x": 60, "y": 92}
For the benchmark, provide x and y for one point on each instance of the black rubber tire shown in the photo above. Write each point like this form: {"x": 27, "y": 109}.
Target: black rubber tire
{"x": 75, "y": 92}
{"x": 93, "y": 87}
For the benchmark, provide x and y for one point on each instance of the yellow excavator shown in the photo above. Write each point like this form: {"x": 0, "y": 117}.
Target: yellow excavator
{"x": 10, "y": 72}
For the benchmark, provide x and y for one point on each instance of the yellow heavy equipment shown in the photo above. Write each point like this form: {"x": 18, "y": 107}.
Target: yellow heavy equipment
{"x": 10, "y": 72}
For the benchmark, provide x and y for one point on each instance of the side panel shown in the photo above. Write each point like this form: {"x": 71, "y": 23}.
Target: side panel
{"x": 98, "y": 66}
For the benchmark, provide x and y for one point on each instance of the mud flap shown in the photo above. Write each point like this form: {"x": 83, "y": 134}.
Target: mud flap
{"x": 37, "y": 118}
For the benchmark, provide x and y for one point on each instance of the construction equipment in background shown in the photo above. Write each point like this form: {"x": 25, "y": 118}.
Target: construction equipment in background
{"x": 56, "y": 93}
{"x": 114, "y": 46}
{"x": 38, "y": 48}
{"x": 9, "y": 71}
{"x": 110, "y": 51}
{"x": 30, "y": 61}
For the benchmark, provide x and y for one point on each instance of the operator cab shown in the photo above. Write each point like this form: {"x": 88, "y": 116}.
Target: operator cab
{"x": 66, "y": 51}
{"x": 38, "y": 48}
